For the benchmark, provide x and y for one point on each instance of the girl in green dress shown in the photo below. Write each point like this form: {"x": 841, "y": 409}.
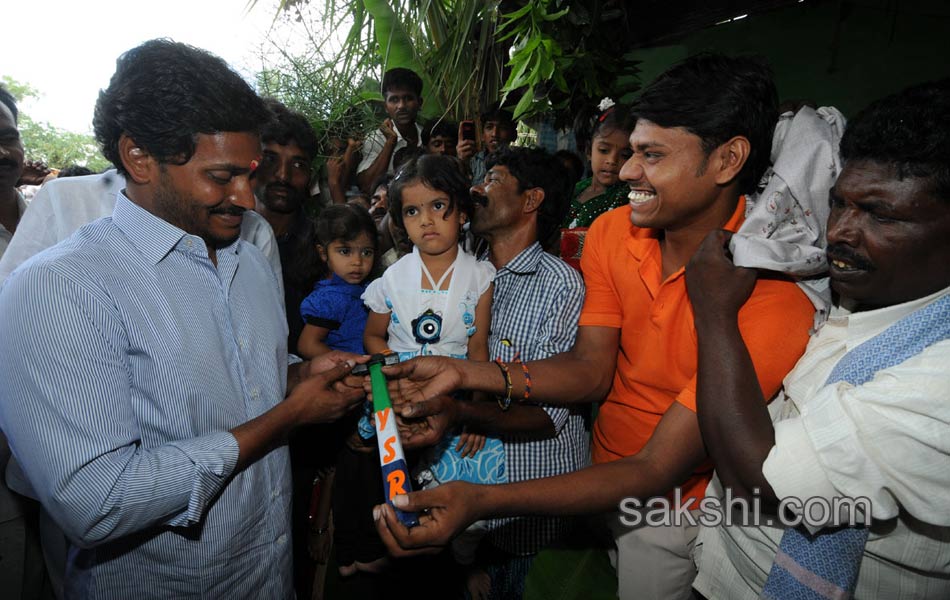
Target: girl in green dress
{"x": 608, "y": 148}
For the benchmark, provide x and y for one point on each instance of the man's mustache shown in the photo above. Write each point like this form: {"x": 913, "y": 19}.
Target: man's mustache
{"x": 846, "y": 254}
{"x": 279, "y": 186}
{"x": 480, "y": 199}
{"x": 232, "y": 210}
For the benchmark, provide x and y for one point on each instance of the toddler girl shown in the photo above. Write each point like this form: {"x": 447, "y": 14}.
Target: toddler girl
{"x": 608, "y": 148}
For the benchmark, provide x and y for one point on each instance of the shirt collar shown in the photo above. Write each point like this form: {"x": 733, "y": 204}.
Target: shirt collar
{"x": 418, "y": 134}
{"x": 864, "y": 325}
{"x": 526, "y": 262}
{"x": 640, "y": 234}
{"x": 154, "y": 237}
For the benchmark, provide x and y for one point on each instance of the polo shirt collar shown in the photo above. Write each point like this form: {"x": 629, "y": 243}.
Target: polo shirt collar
{"x": 644, "y": 245}
{"x": 642, "y": 239}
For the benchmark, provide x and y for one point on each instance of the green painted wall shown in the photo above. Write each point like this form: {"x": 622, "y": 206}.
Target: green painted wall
{"x": 877, "y": 50}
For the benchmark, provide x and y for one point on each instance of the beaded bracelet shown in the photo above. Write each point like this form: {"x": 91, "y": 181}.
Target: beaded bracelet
{"x": 527, "y": 376}
{"x": 504, "y": 403}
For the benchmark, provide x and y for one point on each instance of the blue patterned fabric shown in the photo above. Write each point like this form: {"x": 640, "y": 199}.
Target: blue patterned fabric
{"x": 335, "y": 305}
{"x": 443, "y": 463}
{"x": 826, "y": 565}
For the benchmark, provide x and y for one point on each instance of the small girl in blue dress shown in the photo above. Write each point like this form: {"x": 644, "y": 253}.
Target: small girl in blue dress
{"x": 335, "y": 317}
{"x": 333, "y": 313}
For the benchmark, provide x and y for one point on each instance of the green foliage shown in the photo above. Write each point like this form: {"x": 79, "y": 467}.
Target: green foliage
{"x": 546, "y": 57}
{"x": 334, "y": 78}
{"x": 564, "y": 57}
{"x": 56, "y": 147}
{"x": 59, "y": 148}
{"x": 334, "y": 89}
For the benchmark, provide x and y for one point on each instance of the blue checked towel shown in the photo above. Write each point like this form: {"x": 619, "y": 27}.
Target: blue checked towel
{"x": 825, "y": 565}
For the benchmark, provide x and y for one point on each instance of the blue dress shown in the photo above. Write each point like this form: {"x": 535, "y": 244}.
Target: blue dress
{"x": 335, "y": 304}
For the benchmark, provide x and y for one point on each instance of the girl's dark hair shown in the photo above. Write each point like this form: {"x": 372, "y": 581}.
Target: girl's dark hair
{"x": 589, "y": 124}
{"x": 344, "y": 222}
{"x": 437, "y": 171}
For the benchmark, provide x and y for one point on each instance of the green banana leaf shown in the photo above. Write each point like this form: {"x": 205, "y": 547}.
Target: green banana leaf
{"x": 397, "y": 50}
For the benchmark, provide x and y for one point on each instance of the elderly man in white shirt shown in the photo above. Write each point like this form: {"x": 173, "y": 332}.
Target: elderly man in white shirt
{"x": 881, "y": 439}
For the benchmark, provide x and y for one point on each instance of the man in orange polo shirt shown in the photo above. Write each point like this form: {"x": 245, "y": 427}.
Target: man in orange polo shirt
{"x": 702, "y": 139}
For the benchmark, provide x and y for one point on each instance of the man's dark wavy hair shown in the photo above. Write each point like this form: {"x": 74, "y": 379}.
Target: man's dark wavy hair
{"x": 909, "y": 130}
{"x": 533, "y": 167}
{"x": 287, "y": 126}
{"x": 164, "y": 93}
{"x": 7, "y": 98}
{"x": 400, "y": 77}
{"x": 437, "y": 171}
{"x": 717, "y": 97}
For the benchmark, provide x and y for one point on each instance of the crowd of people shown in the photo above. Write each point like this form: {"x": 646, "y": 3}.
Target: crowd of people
{"x": 610, "y": 352}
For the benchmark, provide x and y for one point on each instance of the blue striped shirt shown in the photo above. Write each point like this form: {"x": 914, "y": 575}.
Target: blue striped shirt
{"x": 535, "y": 307}
{"x": 126, "y": 358}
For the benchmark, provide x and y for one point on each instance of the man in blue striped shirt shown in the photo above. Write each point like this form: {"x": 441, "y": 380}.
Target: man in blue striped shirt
{"x": 145, "y": 358}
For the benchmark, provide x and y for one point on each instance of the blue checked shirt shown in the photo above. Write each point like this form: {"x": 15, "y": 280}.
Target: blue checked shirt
{"x": 535, "y": 307}
{"x": 126, "y": 358}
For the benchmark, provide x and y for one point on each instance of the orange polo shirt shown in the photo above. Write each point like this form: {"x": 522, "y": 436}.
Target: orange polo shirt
{"x": 656, "y": 364}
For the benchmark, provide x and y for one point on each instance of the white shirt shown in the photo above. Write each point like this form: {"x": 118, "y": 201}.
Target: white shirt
{"x": 887, "y": 440}
{"x": 5, "y": 235}
{"x": 62, "y": 206}
{"x": 375, "y": 142}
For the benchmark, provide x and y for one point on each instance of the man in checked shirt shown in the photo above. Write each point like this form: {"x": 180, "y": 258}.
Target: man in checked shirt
{"x": 535, "y": 306}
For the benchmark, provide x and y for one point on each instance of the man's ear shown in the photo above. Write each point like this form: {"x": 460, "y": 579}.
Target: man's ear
{"x": 731, "y": 157}
{"x": 533, "y": 199}
{"x": 139, "y": 164}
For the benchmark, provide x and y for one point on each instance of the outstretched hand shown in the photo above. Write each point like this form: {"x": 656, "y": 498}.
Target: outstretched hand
{"x": 431, "y": 421}
{"x": 443, "y": 512}
{"x": 417, "y": 382}
{"x": 326, "y": 395}
{"x": 717, "y": 287}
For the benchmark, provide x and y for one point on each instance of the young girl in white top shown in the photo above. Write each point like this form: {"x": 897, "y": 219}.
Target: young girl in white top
{"x": 437, "y": 300}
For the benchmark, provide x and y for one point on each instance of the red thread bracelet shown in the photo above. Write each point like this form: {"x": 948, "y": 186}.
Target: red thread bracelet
{"x": 527, "y": 376}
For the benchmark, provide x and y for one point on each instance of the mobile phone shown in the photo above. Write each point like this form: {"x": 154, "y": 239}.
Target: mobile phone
{"x": 468, "y": 130}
